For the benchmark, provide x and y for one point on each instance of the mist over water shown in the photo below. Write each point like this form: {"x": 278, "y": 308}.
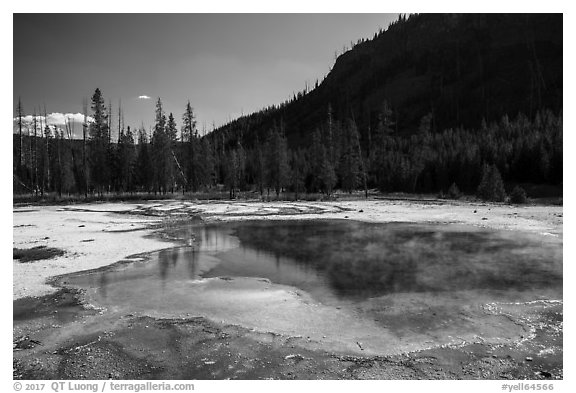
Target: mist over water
{"x": 393, "y": 287}
{"x": 343, "y": 260}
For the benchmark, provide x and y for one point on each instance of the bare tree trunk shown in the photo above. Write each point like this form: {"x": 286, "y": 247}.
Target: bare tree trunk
{"x": 35, "y": 156}
{"x": 119, "y": 118}
{"x": 109, "y": 147}
{"x": 30, "y": 162}
{"x": 43, "y": 169}
{"x": 109, "y": 122}
{"x": 60, "y": 171}
{"x": 20, "y": 133}
{"x": 120, "y": 179}
{"x": 362, "y": 166}
{"x": 84, "y": 126}
{"x": 47, "y": 157}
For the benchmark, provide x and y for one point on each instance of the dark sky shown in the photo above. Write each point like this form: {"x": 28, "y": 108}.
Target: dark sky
{"x": 225, "y": 64}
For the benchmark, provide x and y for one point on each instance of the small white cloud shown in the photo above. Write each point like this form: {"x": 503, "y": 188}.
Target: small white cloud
{"x": 144, "y": 97}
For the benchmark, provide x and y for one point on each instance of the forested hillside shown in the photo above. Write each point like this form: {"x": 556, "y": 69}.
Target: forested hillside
{"x": 459, "y": 69}
{"x": 434, "y": 102}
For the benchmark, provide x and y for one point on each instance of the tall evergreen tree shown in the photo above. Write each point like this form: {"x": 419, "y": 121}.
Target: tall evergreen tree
{"x": 298, "y": 171}
{"x": 277, "y": 162}
{"x": 161, "y": 153}
{"x": 323, "y": 172}
{"x": 350, "y": 162}
{"x": 208, "y": 163}
{"x": 188, "y": 123}
{"x": 174, "y": 168}
{"x": 491, "y": 187}
{"x": 126, "y": 160}
{"x": 260, "y": 175}
{"x": 191, "y": 149}
{"x": 327, "y": 174}
{"x": 232, "y": 172}
{"x": 99, "y": 143}
{"x": 144, "y": 172}
{"x": 384, "y": 129}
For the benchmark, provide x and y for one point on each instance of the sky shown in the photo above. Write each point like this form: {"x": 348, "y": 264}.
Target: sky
{"x": 225, "y": 64}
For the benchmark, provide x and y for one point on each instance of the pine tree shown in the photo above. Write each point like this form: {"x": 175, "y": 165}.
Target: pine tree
{"x": 350, "y": 161}
{"x": 327, "y": 174}
{"x": 379, "y": 161}
{"x": 231, "y": 172}
{"x": 144, "y": 171}
{"x": 174, "y": 168}
{"x": 208, "y": 163}
{"x": 190, "y": 138}
{"x": 260, "y": 168}
{"x": 277, "y": 161}
{"x": 491, "y": 186}
{"x": 298, "y": 171}
{"x": 126, "y": 158}
{"x": 330, "y": 137}
{"x": 161, "y": 151}
{"x": 518, "y": 195}
{"x": 99, "y": 143}
{"x": 324, "y": 174}
{"x": 316, "y": 152}
{"x": 241, "y": 166}
{"x": 171, "y": 130}
{"x": 188, "y": 123}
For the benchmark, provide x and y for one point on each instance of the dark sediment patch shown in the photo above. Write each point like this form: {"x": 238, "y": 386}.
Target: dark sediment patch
{"x": 63, "y": 306}
{"x": 38, "y": 253}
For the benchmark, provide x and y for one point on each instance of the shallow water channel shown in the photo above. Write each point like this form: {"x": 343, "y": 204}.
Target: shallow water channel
{"x": 343, "y": 285}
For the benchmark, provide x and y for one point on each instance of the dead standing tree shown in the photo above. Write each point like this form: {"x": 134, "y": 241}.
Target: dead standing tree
{"x": 70, "y": 136}
{"x": 20, "y": 111}
{"x": 46, "y": 155}
{"x": 35, "y": 155}
{"x": 84, "y": 131}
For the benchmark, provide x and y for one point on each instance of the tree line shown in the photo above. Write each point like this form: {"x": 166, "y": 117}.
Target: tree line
{"x": 517, "y": 151}
{"x": 174, "y": 159}
{"x": 49, "y": 159}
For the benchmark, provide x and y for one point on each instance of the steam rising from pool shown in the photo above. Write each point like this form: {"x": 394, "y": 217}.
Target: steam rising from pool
{"x": 377, "y": 288}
